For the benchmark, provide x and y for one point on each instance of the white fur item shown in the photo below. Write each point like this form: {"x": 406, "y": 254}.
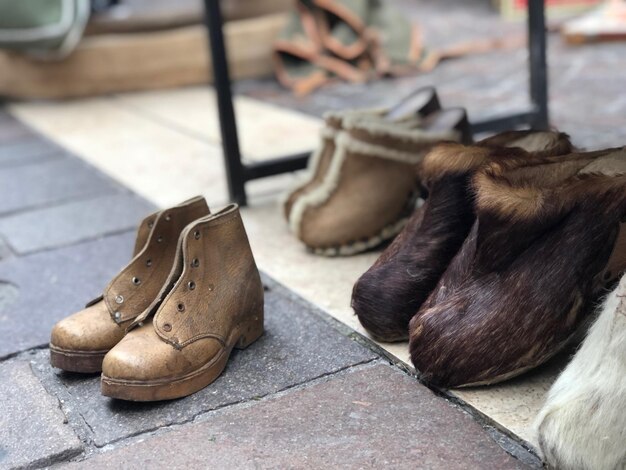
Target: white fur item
{"x": 583, "y": 422}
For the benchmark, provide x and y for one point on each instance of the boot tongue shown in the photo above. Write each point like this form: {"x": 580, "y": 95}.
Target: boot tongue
{"x": 134, "y": 289}
{"x": 170, "y": 282}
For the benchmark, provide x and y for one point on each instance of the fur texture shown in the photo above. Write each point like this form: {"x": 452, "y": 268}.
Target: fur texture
{"x": 527, "y": 274}
{"x": 582, "y": 426}
{"x": 387, "y": 296}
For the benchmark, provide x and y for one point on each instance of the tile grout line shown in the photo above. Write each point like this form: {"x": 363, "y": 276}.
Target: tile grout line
{"x": 93, "y": 449}
{"x": 485, "y": 421}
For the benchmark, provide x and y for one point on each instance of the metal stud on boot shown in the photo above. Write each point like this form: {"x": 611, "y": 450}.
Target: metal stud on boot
{"x": 79, "y": 342}
{"x": 216, "y": 305}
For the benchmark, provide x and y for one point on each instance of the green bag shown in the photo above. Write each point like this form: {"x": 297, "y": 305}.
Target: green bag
{"x": 42, "y": 28}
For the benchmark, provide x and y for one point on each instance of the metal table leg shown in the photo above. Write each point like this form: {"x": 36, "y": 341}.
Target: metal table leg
{"x": 228, "y": 125}
{"x": 537, "y": 44}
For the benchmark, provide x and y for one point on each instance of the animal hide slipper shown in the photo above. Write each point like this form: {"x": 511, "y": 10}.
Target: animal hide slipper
{"x": 548, "y": 240}
{"x": 420, "y": 103}
{"x": 583, "y": 422}
{"x": 371, "y": 185}
{"x": 393, "y": 289}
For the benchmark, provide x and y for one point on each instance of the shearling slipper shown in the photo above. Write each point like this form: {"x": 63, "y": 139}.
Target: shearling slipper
{"x": 371, "y": 185}
{"x": 420, "y": 103}
{"x": 547, "y": 241}
{"x": 393, "y": 289}
{"x": 583, "y": 422}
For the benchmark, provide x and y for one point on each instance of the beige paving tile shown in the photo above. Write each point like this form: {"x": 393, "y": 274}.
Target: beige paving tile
{"x": 264, "y": 130}
{"x": 159, "y": 163}
{"x": 157, "y": 147}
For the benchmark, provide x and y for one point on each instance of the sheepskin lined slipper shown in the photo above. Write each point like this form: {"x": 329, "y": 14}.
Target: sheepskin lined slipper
{"x": 583, "y": 422}
{"x": 215, "y": 304}
{"x": 393, "y": 289}
{"x": 79, "y": 342}
{"x": 548, "y": 240}
{"x": 371, "y": 185}
{"x": 420, "y": 103}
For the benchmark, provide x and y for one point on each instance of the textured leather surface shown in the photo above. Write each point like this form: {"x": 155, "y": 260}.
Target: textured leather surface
{"x": 217, "y": 297}
{"x": 371, "y": 194}
{"x": 90, "y": 329}
{"x": 136, "y": 286}
{"x": 96, "y": 328}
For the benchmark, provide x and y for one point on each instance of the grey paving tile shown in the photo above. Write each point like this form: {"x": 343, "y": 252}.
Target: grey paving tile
{"x": 298, "y": 346}
{"x": 11, "y": 130}
{"x": 5, "y": 251}
{"x": 27, "y": 151}
{"x": 73, "y": 222}
{"x": 48, "y": 183}
{"x": 33, "y": 429}
{"x": 53, "y": 284}
{"x": 369, "y": 417}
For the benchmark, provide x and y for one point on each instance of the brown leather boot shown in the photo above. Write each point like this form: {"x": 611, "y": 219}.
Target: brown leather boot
{"x": 548, "y": 241}
{"x": 386, "y": 297}
{"x": 79, "y": 342}
{"x": 216, "y": 305}
{"x": 419, "y": 104}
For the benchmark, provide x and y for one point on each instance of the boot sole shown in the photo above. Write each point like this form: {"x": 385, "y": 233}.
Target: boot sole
{"x": 387, "y": 233}
{"x": 170, "y": 389}
{"x": 85, "y": 362}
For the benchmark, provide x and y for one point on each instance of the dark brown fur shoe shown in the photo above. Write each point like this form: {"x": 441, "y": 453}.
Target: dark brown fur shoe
{"x": 393, "y": 289}
{"x": 548, "y": 241}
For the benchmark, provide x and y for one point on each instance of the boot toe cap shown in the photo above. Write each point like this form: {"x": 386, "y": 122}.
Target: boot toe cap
{"x": 142, "y": 356}
{"x": 87, "y": 330}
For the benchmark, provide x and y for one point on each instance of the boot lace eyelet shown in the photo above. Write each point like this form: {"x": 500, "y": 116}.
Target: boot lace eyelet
{"x": 168, "y": 217}
{"x": 210, "y": 287}
{"x": 167, "y": 327}
{"x": 150, "y": 224}
{"x": 196, "y": 234}
{"x": 195, "y": 263}
{"x": 180, "y": 307}
{"x": 159, "y": 239}
{"x": 191, "y": 285}
{"x": 119, "y": 299}
{"x": 148, "y": 262}
{"x": 136, "y": 281}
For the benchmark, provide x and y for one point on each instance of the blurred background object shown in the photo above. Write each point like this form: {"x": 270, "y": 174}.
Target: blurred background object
{"x": 607, "y": 23}
{"x": 133, "y": 45}
{"x": 516, "y": 9}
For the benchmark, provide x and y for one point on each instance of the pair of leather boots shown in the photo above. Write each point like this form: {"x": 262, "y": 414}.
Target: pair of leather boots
{"x": 498, "y": 271}
{"x": 362, "y": 183}
{"x": 166, "y": 324}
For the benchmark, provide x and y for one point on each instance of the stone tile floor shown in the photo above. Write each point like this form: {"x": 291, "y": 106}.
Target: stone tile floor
{"x": 308, "y": 394}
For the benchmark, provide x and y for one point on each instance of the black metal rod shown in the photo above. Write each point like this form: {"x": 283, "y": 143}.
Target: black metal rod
{"x": 537, "y": 43}
{"x": 276, "y": 166}
{"x": 504, "y": 123}
{"x": 228, "y": 127}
